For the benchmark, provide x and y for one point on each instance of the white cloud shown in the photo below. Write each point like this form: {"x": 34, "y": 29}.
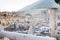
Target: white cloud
{"x": 14, "y": 5}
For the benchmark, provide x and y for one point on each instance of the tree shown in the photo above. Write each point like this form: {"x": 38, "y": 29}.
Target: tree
{"x": 57, "y": 1}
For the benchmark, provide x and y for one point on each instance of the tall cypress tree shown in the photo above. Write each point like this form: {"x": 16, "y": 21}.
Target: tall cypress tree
{"x": 57, "y": 1}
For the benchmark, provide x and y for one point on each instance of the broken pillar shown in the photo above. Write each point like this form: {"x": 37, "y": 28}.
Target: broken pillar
{"x": 31, "y": 30}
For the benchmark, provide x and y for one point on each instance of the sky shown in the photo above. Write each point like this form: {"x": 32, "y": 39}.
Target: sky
{"x": 14, "y": 5}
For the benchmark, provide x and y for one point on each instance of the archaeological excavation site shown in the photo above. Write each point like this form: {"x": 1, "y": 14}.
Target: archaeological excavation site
{"x": 40, "y": 20}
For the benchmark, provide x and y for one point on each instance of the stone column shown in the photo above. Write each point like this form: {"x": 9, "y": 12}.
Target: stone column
{"x": 52, "y": 21}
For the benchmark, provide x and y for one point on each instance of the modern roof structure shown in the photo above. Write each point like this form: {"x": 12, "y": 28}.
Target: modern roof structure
{"x": 41, "y": 4}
